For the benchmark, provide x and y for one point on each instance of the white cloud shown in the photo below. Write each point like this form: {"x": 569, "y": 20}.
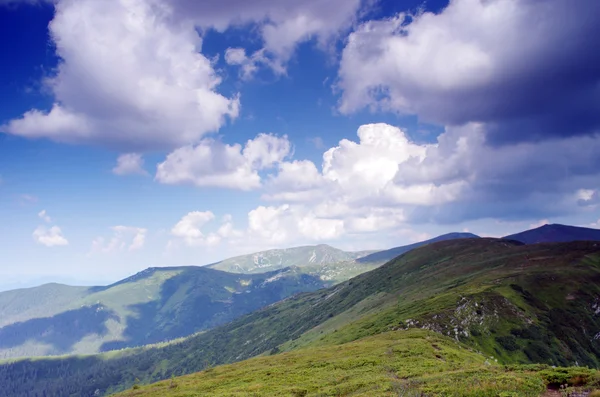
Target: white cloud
{"x": 189, "y": 229}
{"x": 43, "y": 215}
{"x": 385, "y": 180}
{"x": 129, "y": 78}
{"x": 123, "y": 238}
{"x": 475, "y": 61}
{"x": 213, "y": 163}
{"x": 249, "y": 65}
{"x": 281, "y": 24}
{"x": 50, "y": 237}
{"x": 130, "y": 164}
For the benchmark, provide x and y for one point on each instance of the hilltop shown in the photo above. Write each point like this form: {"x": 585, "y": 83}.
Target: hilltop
{"x": 392, "y": 253}
{"x": 275, "y": 259}
{"x": 556, "y": 233}
{"x": 511, "y": 302}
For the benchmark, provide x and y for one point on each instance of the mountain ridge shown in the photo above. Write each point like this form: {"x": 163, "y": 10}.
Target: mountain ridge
{"x": 556, "y": 233}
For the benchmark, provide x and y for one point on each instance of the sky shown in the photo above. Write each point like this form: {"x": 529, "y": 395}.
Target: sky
{"x": 142, "y": 133}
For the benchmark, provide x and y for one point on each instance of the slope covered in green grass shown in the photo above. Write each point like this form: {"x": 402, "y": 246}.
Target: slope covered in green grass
{"x": 514, "y": 303}
{"x": 397, "y": 363}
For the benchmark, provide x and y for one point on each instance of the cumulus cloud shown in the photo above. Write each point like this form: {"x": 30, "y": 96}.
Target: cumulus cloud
{"x": 523, "y": 66}
{"x": 385, "y": 180}
{"x": 130, "y": 164}
{"x": 129, "y": 77}
{"x": 189, "y": 229}
{"x": 123, "y": 238}
{"x": 50, "y": 237}
{"x": 213, "y": 163}
{"x": 281, "y": 24}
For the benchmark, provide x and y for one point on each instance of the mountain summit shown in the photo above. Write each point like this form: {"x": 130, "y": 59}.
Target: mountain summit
{"x": 556, "y": 233}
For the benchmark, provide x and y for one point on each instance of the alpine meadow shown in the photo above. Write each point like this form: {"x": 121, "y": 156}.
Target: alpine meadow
{"x": 299, "y": 198}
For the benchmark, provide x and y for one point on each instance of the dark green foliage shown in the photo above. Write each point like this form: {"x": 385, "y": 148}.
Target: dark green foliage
{"x": 538, "y": 352}
{"x": 508, "y": 343}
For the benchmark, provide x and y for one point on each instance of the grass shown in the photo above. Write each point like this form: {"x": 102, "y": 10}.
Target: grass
{"x": 398, "y": 363}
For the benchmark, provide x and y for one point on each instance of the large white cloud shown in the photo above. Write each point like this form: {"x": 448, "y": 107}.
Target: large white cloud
{"x": 129, "y": 76}
{"x": 385, "y": 179}
{"x": 213, "y": 163}
{"x": 523, "y": 62}
{"x": 132, "y": 75}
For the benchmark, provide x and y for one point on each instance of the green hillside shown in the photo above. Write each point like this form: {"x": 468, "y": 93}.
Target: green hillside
{"x": 514, "y": 303}
{"x": 397, "y": 363}
{"x": 154, "y": 305}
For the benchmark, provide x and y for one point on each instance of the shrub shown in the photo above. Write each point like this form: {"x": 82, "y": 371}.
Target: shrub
{"x": 509, "y": 343}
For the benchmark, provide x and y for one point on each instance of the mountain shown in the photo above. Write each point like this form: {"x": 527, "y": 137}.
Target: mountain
{"x": 384, "y": 256}
{"x": 276, "y": 259}
{"x": 556, "y": 233}
{"x": 500, "y": 299}
{"x": 329, "y": 264}
{"x": 154, "y": 305}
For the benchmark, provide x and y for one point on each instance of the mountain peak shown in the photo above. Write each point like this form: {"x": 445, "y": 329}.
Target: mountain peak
{"x": 556, "y": 233}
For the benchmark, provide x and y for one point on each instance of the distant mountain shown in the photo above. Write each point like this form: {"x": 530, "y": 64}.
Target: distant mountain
{"x": 154, "y": 305}
{"x": 384, "y": 256}
{"x": 556, "y": 233}
{"x": 275, "y": 259}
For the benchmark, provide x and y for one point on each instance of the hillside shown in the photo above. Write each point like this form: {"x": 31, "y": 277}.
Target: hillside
{"x": 556, "y": 233}
{"x": 514, "y": 303}
{"x": 275, "y": 259}
{"x": 397, "y": 363}
{"x": 386, "y": 255}
{"x": 154, "y": 305}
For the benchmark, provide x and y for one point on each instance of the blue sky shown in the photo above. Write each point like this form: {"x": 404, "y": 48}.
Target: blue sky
{"x": 137, "y": 133}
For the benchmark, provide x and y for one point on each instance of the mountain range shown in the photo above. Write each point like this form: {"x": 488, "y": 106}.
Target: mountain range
{"x": 501, "y": 299}
{"x": 160, "y": 304}
{"x": 496, "y": 300}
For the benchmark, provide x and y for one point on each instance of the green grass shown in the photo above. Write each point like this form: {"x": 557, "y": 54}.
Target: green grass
{"x": 398, "y": 363}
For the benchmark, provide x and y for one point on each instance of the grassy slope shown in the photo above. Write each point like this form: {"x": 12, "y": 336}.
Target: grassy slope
{"x": 398, "y": 363}
{"x": 503, "y": 299}
{"x": 383, "y": 365}
{"x": 45, "y": 300}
